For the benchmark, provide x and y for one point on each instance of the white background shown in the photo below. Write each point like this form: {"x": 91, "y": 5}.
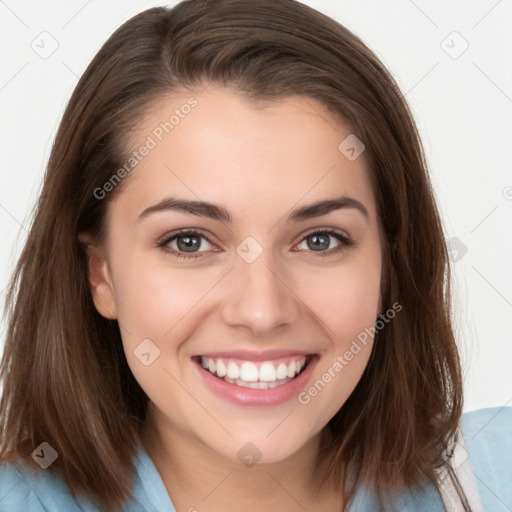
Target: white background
{"x": 463, "y": 107}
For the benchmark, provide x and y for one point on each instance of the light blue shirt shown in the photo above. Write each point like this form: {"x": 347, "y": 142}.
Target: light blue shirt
{"x": 487, "y": 432}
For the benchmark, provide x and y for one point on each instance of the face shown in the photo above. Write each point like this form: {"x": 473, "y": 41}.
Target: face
{"x": 261, "y": 287}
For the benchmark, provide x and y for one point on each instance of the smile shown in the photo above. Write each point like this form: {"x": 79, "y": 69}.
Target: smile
{"x": 255, "y": 375}
{"x": 256, "y": 378}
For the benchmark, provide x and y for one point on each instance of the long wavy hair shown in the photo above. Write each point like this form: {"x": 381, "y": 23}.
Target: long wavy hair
{"x": 65, "y": 377}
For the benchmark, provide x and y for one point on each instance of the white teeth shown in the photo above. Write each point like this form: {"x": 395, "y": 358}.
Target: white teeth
{"x": 221, "y": 368}
{"x": 233, "y": 371}
{"x": 256, "y": 385}
{"x": 291, "y": 369}
{"x": 282, "y": 371}
{"x": 267, "y": 372}
{"x": 248, "y": 372}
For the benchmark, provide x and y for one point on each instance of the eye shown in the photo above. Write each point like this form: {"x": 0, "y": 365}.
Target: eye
{"x": 187, "y": 241}
{"x": 320, "y": 240}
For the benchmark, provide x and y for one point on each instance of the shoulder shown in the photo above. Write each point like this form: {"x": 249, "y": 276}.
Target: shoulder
{"x": 23, "y": 488}
{"x": 488, "y": 437}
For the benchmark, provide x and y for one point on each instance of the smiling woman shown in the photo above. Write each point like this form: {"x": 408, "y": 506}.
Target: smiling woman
{"x": 235, "y": 291}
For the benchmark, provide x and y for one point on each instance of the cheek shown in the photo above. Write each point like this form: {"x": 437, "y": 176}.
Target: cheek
{"x": 162, "y": 305}
{"x": 153, "y": 311}
{"x": 346, "y": 303}
{"x": 152, "y": 299}
{"x": 345, "y": 299}
{"x": 343, "y": 363}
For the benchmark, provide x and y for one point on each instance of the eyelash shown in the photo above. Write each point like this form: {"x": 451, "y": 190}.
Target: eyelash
{"x": 346, "y": 242}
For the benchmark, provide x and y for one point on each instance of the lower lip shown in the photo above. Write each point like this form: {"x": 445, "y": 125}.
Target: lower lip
{"x": 248, "y": 396}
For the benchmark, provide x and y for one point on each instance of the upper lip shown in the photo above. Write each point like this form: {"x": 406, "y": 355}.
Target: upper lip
{"x": 255, "y": 355}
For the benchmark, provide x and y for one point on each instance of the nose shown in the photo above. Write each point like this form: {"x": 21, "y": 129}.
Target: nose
{"x": 260, "y": 298}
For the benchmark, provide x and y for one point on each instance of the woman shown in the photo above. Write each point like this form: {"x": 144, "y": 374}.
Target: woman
{"x": 235, "y": 291}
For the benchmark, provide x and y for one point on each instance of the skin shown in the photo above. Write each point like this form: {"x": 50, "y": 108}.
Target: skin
{"x": 259, "y": 161}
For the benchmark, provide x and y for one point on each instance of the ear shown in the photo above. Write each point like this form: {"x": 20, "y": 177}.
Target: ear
{"x": 100, "y": 280}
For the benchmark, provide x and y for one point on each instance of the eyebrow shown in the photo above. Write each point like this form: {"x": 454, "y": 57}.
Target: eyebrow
{"x": 216, "y": 212}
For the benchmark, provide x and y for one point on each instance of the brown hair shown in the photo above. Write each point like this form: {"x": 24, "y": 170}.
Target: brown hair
{"x": 65, "y": 377}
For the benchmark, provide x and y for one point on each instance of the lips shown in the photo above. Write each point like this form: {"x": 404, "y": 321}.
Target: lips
{"x": 255, "y": 378}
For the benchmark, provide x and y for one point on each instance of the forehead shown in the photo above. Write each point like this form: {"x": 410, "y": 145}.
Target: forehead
{"x": 216, "y": 145}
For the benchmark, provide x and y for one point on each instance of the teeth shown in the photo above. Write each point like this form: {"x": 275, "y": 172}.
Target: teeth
{"x": 256, "y": 385}
{"x": 250, "y": 375}
{"x": 249, "y": 372}
{"x": 282, "y": 371}
{"x": 267, "y": 372}
{"x": 221, "y": 368}
{"x": 233, "y": 371}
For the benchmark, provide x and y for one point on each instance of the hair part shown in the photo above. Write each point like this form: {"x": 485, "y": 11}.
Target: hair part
{"x": 66, "y": 379}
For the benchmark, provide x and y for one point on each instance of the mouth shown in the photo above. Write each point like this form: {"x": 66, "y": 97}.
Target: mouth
{"x": 255, "y": 381}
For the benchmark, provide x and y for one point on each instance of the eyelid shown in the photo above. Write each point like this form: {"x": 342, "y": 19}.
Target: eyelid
{"x": 185, "y": 231}
{"x": 325, "y": 229}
